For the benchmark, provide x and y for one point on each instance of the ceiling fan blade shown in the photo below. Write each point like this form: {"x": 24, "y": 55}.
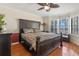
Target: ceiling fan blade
{"x": 47, "y": 6}
{"x": 41, "y": 8}
{"x": 54, "y": 5}
{"x": 42, "y": 4}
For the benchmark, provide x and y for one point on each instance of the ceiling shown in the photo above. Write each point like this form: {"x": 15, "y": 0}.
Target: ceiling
{"x": 64, "y": 8}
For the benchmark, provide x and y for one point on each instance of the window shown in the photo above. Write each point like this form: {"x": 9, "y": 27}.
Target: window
{"x": 54, "y": 26}
{"x": 66, "y": 25}
{"x": 63, "y": 25}
{"x": 58, "y": 26}
{"x": 75, "y": 25}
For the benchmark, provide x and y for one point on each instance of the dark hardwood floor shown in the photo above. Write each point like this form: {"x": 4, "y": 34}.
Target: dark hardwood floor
{"x": 68, "y": 49}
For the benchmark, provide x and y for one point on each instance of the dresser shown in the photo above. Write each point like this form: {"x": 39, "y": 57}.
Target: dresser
{"x": 5, "y": 44}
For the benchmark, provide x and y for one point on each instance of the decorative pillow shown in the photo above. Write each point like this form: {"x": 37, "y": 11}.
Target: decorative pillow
{"x": 25, "y": 36}
{"x": 30, "y": 38}
{"x": 22, "y": 35}
{"x": 28, "y": 30}
{"x": 37, "y": 30}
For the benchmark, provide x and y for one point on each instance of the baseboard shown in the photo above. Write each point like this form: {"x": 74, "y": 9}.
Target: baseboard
{"x": 14, "y": 43}
{"x": 75, "y": 42}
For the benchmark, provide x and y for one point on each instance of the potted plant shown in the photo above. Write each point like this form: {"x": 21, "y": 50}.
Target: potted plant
{"x": 2, "y": 22}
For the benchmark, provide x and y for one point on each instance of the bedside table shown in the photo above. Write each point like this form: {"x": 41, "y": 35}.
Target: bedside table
{"x": 66, "y": 37}
{"x": 46, "y": 31}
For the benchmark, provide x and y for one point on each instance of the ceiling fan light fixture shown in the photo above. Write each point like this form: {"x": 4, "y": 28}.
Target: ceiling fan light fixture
{"x": 46, "y": 7}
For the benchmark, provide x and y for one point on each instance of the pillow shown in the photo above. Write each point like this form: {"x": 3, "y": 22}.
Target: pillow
{"x": 36, "y": 30}
{"x": 28, "y": 37}
{"x": 28, "y": 30}
{"x": 22, "y": 35}
{"x": 32, "y": 39}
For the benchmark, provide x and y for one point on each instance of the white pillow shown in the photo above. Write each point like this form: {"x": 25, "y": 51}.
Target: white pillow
{"x": 28, "y": 30}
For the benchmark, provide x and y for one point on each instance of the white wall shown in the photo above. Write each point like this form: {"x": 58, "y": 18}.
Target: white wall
{"x": 12, "y": 16}
{"x": 75, "y": 39}
{"x": 46, "y": 21}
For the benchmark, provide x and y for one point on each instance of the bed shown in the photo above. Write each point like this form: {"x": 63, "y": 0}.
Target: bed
{"x": 38, "y": 43}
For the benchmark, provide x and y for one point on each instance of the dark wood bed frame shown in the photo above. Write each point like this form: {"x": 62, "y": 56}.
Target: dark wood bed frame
{"x": 42, "y": 48}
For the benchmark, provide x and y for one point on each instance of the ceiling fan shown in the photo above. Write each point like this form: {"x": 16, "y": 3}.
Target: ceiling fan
{"x": 47, "y": 6}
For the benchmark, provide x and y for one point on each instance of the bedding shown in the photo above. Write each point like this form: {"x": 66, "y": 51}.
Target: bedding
{"x": 31, "y": 37}
{"x": 45, "y": 36}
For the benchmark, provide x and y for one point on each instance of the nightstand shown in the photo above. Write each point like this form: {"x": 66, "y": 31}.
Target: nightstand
{"x": 66, "y": 37}
{"x": 46, "y": 31}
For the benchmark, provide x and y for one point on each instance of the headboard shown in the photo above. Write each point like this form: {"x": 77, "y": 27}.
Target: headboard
{"x": 28, "y": 24}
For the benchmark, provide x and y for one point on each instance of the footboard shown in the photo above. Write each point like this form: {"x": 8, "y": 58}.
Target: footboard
{"x": 45, "y": 47}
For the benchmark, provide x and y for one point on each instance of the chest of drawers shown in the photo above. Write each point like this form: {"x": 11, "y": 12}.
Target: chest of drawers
{"x": 5, "y": 44}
